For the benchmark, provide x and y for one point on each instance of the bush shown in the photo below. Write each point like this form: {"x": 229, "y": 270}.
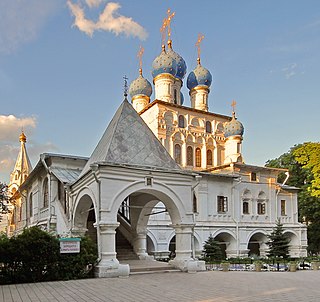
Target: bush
{"x": 34, "y": 256}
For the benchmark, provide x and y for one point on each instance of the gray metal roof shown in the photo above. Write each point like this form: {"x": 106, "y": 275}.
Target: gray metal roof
{"x": 66, "y": 175}
{"x": 128, "y": 140}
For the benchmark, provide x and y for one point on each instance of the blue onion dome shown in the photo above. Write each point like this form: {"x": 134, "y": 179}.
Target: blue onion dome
{"x": 140, "y": 86}
{"x": 164, "y": 63}
{"x": 181, "y": 64}
{"x": 233, "y": 128}
{"x": 200, "y": 76}
{"x": 181, "y": 98}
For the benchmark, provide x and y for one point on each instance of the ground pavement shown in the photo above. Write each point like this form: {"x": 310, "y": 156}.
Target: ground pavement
{"x": 213, "y": 286}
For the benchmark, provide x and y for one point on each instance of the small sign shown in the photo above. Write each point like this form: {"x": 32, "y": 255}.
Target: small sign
{"x": 69, "y": 245}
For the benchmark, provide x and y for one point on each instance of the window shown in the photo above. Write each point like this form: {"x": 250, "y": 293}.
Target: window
{"x": 283, "y": 208}
{"x": 189, "y": 156}
{"x": 177, "y": 153}
{"x": 45, "y": 193}
{"x": 261, "y": 208}
{"x": 253, "y": 176}
{"x": 222, "y": 204}
{"x": 198, "y": 157}
{"x": 245, "y": 207}
{"x": 181, "y": 121}
{"x": 175, "y": 96}
{"x": 30, "y": 206}
{"x": 209, "y": 158}
{"x": 195, "y": 206}
{"x": 208, "y": 127}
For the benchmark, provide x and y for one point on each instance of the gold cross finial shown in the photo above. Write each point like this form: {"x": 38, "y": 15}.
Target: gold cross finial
{"x": 169, "y": 19}
{"x": 200, "y": 38}
{"x": 233, "y": 105}
{"x": 163, "y": 30}
{"x": 139, "y": 55}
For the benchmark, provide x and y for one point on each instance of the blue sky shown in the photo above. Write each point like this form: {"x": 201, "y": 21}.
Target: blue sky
{"x": 62, "y": 82}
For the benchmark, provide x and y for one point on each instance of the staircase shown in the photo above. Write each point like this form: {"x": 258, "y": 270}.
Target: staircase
{"x": 124, "y": 249}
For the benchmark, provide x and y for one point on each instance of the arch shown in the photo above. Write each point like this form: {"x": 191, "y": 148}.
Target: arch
{"x": 257, "y": 243}
{"x": 210, "y": 142}
{"x": 208, "y": 127}
{"x": 200, "y": 140}
{"x": 177, "y": 153}
{"x": 181, "y": 121}
{"x": 219, "y": 128}
{"x": 261, "y": 203}
{"x": 195, "y": 122}
{"x": 189, "y": 156}
{"x": 158, "y": 192}
{"x": 168, "y": 117}
{"x": 198, "y": 157}
{"x": 151, "y": 243}
{"x": 190, "y": 138}
{"x": 228, "y": 242}
{"x": 45, "y": 193}
{"x": 30, "y": 205}
{"x": 209, "y": 157}
{"x": 246, "y": 194}
{"x": 178, "y": 137}
{"x": 293, "y": 236}
{"x": 78, "y": 199}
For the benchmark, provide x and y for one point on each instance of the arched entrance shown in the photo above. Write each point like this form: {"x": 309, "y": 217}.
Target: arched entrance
{"x": 257, "y": 245}
{"x": 227, "y": 244}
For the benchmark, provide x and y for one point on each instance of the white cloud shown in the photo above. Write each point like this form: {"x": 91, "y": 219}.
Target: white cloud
{"x": 11, "y": 126}
{"x": 94, "y": 3}
{"x": 290, "y": 70}
{"x": 109, "y": 20}
{"x": 21, "y": 21}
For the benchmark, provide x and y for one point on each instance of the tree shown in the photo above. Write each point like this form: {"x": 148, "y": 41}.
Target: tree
{"x": 212, "y": 250}
{"x": 278, "y": 242}
{"x": 3, "y": 199}
{"x": 303, "y": 163}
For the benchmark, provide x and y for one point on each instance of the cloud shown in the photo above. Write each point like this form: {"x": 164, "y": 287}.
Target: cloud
{"x": 108, "y": 20}
{"x": 290, "y": 70}
{"x": 21, "y": 21}
{"x": 11, "y": 126}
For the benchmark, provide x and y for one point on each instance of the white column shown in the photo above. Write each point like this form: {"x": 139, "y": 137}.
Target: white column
{"x": 140, "y": 245}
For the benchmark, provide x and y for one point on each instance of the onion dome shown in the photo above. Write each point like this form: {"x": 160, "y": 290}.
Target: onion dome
{"x": 181, "y": 98}
{"x": 22, "y": 137}
{"x": 181, "y": 64}
{"x": 140, "y": 86}
{"x": 200, "y": 76}
{"x": 233, "y": 128}
{"x": 164, "y": 63}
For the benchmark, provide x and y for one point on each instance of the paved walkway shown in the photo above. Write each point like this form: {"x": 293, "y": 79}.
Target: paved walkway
{"x": 200, "y": 287}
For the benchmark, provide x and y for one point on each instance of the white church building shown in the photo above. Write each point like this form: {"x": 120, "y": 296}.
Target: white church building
{"x": 162, "y": 178}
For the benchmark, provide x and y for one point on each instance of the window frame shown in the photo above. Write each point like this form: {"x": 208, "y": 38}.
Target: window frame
{"x": 222, "y": 204}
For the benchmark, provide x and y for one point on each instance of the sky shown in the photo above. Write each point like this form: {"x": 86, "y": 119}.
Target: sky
{"x": 62, "y": 64}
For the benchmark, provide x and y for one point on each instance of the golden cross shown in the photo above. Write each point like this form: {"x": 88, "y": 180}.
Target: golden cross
{"x": 169, "y": 19}
{"x": 233, "y": 105}
{"x": 163, "y": 30}
{"x": 139, "y": 55}
{"x": 200, "y": 38}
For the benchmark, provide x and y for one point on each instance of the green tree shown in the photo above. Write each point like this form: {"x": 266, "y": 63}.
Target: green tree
{"x": 212, "y": 250}
{"x": 303, "y": 163}
{"x": 3, "y": 199}
{"x": 278, "y": 242}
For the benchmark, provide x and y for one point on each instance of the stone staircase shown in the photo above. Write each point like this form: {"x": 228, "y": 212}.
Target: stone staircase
{"x": 124, "y": 249}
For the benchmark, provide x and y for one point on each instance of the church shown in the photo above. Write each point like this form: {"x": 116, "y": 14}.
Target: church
{"x": 161, "y": 180}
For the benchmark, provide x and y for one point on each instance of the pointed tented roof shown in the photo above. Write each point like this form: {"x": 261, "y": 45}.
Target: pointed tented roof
{"x": 128, "y": 140}
{"x": 23, "y": 166}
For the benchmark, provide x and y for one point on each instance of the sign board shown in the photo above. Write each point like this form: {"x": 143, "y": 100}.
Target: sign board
{"x": 69, "y": 245}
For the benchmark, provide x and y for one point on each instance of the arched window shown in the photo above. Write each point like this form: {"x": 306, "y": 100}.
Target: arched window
{"x": 181, "y": 121}
{"x": 208, "y": 127}
{"x": 175, "y": 96}
{"x": 245, "y": 207}
{"x": 45, "y": 193}
{"x": 177, "y": 153}
{"x": 189, "y": 156}
{"x": 198, "y": 157}
{"x": 209, "y": 158}
{"x": 261, "y": 208}
{"x": 30, "y": 206}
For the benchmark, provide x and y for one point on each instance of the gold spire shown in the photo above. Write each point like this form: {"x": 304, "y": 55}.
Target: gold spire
{"x": 166, "y": 25}
{"x": 200, "y": 38}
{"x": 139, "y": 55}
{"x": 22, "y": 137}
{"x": 233, "y": 105}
